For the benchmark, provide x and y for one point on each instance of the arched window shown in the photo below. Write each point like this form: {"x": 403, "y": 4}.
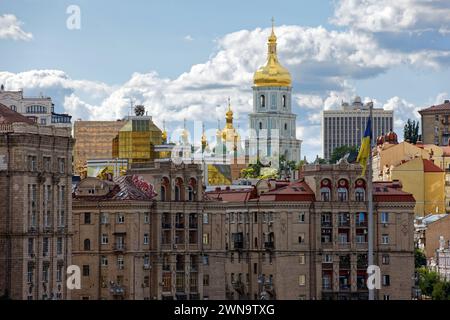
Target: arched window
{"x": 260, "y": 125}
{"x": 325, "y": 194}
{"x": 325, "y": 190}
{"x": 262, "y": 101}
{"x": 283, "y": 101}
{"x": 177, "y": 193}
{"x": 360, "y": 194}
{"x": 13, "y": 108}
{"x": 163, "y": 193}
{"x": 343, "y": 190}
{"x": 285, "y": 126}
{"x": 190, "y": 193}
{"x": 87, "y": 244}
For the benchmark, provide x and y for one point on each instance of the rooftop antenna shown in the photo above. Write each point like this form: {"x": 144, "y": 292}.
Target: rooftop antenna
{"x": 130, "y": 112}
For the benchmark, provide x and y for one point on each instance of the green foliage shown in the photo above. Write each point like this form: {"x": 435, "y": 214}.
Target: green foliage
{"x": 420, "y": 258}
{"x": 285, "y": 166}
{"x": 432, "y": 285}
{"x": 253, "y": 170}
{"x": 411, "y": 131}
{"x": 340, "y": 152}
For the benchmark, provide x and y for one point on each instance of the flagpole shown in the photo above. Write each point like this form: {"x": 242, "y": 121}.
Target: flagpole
{"x": 370, "y": 203}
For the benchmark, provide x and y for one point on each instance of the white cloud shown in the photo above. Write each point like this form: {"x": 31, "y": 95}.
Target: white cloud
{"x": 188, "y": 38}
{"x": 10, "y": 28}
{"x": 394, "y": 16}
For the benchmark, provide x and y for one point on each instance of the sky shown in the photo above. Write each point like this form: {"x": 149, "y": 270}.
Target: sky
{"x": 183, "y": 59}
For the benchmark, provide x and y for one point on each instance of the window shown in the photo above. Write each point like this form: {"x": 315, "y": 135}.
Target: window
{"x": 13, "y": 108}
{"x": 360, "y": 238}
{"x": 59, "y": 271}
{"x": 343, "y": 238}
{"x": 206, "y": 280}
{"x": 36, "y": 109}
{"x": 177, "y": 193}
{"x": 120, "y": 263}
{"x": 45, "y": 273}
{"x": 285, "y": 126}
{"x": 327, "y": 258}
{"x": 205, "y": 260}
{"x": 30, "y": 247}
{"x": 146, "y": 262}
{"x": 206, "y": 238}
{"x": 342, "y": 194}
{"x": 359, "y": 194}
{"x": 384, "y": 217}
{"x": 146, "y": 238}
{"x": 47, "y": 164}
{"x": 104, "y": 238}
{"x": 385, "y": 259}
{"x": 146, "y": 282}
{"x": 87, "y": 244}
{"x": 385, "y": 239}
{"x": 301, "y": 238}
{"x": 386, "y": 280}
{"x": 325, "y": 194}
{"x": 85, "y": 270}
{"x": 104, "y": 261}
{"x": 205, "y": 218}
{"x": 104, "y": 218}
{"x": 146, "y": 218}
{"x": 30, "y": 272}
{"x": 283, "y": 101}
{"x": 302, "y": 258}
{"x": 120, "y": 218}
{"x": 262, "y": 101}
{"x": 62, "y": 165}
{"x": 32, "y": 163}
{"x": 386, "y": 297}
{"x": 45, "y": 246}
{"x": 260, "y": 126}
{"x": 87, "y": 218}
{"x": 163, "y": 193}
{"x": 301, "y": 217}
{"x": 43, "y": 121}
{"x": 59, "y": 245}
{"x": 190, "y": 193}
{"x": 301, "y": 280}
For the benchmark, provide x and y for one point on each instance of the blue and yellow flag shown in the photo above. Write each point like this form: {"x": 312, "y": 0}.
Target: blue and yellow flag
{"x": 364, "y": 150}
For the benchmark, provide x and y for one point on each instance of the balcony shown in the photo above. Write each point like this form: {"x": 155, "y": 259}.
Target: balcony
{"x": 119, "y": 247}
{"x": 344, "y": 223}
{"x": 361, "y": 224}
{"x": 327, "y": 265}
{"x": 238, "y": 244}
{"x": 270, "y": 245}
{"x": 117, "y": 290}
{"x": 326, "y": 224}
{"x": 166, "y": 225}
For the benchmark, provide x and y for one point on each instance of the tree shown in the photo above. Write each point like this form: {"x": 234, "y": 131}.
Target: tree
{"x": 420, "y": 258}
{"x": 411, "y": 131}
{"x": 139, "y": 110}
{"x": 340, "y": 152}
{"x": 427, "y": 281}
{"x": 285, "y": 165}
{"x": 252, "y": 171}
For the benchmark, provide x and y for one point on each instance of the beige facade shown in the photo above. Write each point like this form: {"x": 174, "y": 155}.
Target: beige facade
{"x": 278, "y": 240}
{"x": 35, "y": 210}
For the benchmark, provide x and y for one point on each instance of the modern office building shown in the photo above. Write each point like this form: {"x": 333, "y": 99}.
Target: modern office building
{"x": 345, "y": 127}
{"x": 35, "y": 208}
{"x": 39, "y": 109}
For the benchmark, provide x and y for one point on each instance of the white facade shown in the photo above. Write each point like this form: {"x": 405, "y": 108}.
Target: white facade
{"x": 40, "y": 109}
{"x": 272, "y": 116}
{"x": 346, "y": 127}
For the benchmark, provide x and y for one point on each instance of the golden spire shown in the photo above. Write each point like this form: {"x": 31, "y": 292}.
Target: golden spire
{"x": 204, "y": 141}
{"x": 229, "y": 116}
{"x": 273, "y": 74}
{"x": 164, "y": 133}
{"x": 184, "y": 134}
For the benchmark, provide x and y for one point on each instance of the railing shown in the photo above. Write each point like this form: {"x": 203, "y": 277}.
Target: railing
{"x": 238, "y": 244}
{"x": 166, "y": 225}
{"x": 193, "y": 225}
{"x": 119, "y": 247}
{"x": 327, "y": 224}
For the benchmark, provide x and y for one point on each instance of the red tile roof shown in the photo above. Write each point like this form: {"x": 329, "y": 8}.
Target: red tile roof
{"x": 440, "y": 107}
{"x": 296, "y": 191}
{"x": 239, "y": 195}
{"x": 8, "y": 116}
{"x": 390, "y": 191}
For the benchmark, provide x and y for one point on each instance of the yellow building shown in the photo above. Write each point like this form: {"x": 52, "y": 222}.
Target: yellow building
{"x": 136, "y": 140}
{"x": 425, "y": 181}
{"x": 421, "y": 170}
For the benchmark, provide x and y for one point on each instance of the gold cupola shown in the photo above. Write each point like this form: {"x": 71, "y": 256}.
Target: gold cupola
{"x": 164, "y": 133}
{"x": 273, "y": 74}
{"x": 229, "y": 132}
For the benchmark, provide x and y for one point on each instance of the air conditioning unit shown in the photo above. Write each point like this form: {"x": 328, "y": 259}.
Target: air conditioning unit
{"x": 385, "y": 225}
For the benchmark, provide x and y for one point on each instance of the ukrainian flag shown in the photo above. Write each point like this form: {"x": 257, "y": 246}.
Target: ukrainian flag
{"x": 364, "y": 150}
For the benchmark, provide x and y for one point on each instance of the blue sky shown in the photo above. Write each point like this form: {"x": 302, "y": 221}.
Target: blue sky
{"x": 182, "y": 59}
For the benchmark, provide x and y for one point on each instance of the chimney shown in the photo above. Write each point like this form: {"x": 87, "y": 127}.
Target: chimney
{"x": 218, "y": 189}
{"x": 227, "y": 188}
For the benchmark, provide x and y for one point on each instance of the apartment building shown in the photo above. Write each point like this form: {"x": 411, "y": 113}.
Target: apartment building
{"x": 36, "y": 207}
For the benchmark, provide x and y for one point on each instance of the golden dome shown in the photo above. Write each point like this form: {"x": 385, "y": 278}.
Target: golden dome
{"x": 164, "y": 135}
{"x": 273, "y": 74}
